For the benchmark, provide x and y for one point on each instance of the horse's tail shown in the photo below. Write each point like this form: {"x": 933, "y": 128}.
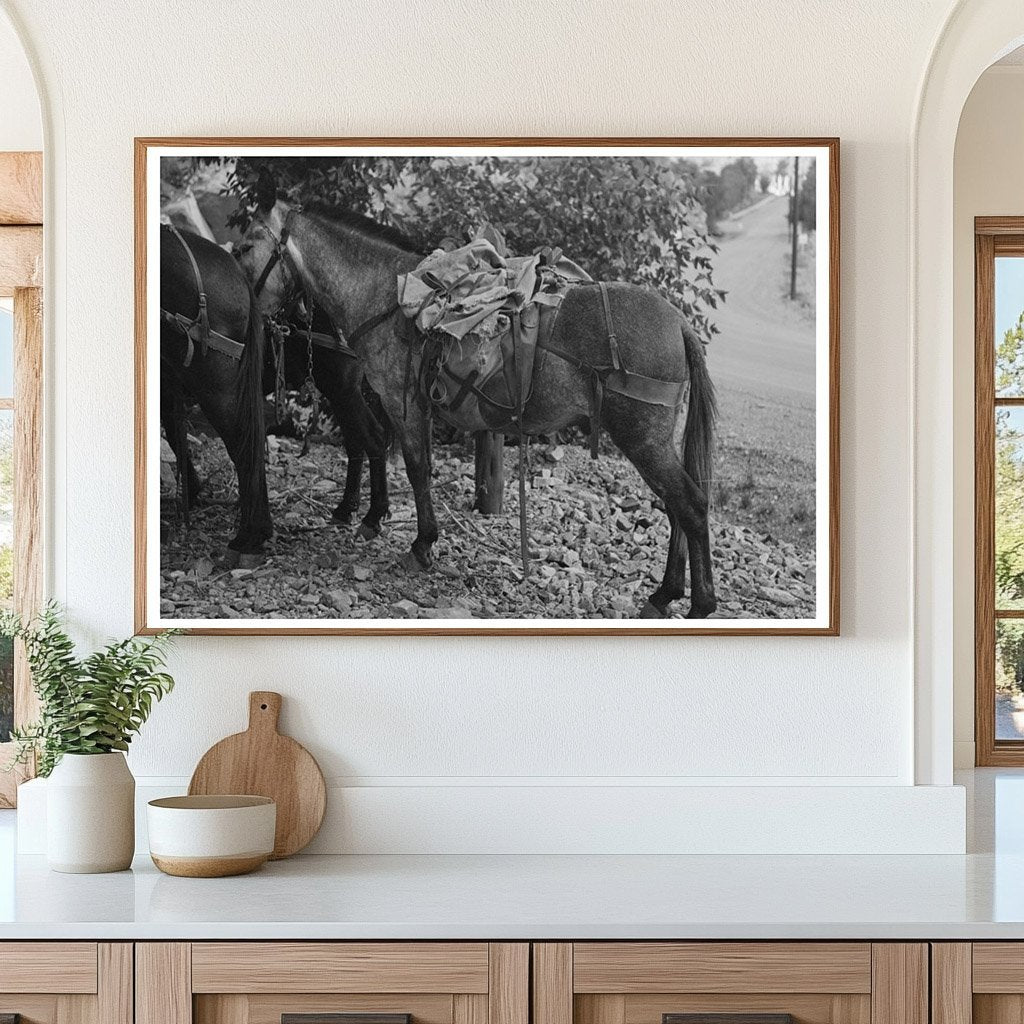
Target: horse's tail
{"x": 249, "y": 399}
{"x": 699, "y": 436}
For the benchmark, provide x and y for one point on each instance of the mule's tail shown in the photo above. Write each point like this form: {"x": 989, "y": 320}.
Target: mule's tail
{"x": 699, "y": 437}
{"x": 249, "y": 398}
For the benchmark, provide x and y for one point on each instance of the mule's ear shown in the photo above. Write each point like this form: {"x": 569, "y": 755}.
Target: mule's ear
{"x": 266, "y": 190}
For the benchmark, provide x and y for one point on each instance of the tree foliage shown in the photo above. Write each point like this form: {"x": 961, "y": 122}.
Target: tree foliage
{"x": 629, "y": 218}
{"x": 90, "y": 705}
{"x": 1009, "y": 503}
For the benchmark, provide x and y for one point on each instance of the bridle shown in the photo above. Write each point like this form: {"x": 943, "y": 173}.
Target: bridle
{"x": 280, "y": 255}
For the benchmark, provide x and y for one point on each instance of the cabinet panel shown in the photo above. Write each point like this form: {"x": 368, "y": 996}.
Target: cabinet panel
{"x": 65, "y": 967}
{"x": 636, "y": 967}
{"x": 220, "y": 967}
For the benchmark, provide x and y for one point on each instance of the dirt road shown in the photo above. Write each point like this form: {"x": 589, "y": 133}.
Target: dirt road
{"x": 766, "y": 346}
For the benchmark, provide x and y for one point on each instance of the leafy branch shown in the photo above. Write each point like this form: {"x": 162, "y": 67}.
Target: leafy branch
{"x": 90, "y": 705}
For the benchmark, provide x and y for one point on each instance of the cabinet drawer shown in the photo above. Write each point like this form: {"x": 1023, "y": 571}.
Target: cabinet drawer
{"x": 730, "y": 983}
{"x": 67, "y": 967}
{"x": 332, "y": 983}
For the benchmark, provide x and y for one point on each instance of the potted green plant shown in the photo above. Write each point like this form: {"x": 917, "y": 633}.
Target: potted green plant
{"x": 90, "y": 708}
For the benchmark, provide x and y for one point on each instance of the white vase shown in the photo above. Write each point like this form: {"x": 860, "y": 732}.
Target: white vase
{"x": 90, "y": 814}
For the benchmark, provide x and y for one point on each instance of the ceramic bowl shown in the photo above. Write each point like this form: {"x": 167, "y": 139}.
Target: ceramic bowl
{"x": 211, "y": 836}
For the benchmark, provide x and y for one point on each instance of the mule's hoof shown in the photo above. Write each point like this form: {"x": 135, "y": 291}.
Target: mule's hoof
{"x": 651, "y": 611}
{"x": 230, "y": 559}
{"x": 251, "y": 559}
{"x": 367, "y": 532}
{"x": 342, "y": 517}
{"x": 410, "y": 563}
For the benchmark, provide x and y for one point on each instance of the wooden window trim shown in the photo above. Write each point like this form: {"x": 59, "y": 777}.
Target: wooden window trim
{"x": 21, "y": 269}
{"x": 993, "y": 237}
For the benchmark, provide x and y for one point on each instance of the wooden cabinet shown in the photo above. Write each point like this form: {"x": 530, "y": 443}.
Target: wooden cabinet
{"x": 66, "y": 982}
{"x": 978, "y": 983}
{"x": 262, "y": 982}
{"x": 754, "y": 982}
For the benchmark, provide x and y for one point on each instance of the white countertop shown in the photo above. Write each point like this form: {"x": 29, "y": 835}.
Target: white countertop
{"x": 977, "y": 896}
{"x": 497, "y": 897}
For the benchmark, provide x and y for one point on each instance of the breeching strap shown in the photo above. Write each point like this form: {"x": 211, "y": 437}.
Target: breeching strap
{"x": 197, "y": 328}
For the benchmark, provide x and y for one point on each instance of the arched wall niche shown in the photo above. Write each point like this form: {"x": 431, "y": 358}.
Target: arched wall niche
{"x": 976, "y": 34}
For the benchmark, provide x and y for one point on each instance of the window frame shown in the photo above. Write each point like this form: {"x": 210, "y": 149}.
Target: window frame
{"x": 993, "y": 237}
{"x": 21, "y": 272}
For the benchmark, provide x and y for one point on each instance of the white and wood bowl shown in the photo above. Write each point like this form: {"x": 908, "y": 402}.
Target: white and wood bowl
{"x": 211, "y": 836}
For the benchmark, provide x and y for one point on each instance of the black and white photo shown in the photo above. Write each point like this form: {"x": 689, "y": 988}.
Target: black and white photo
{"x": 406, "y": 386}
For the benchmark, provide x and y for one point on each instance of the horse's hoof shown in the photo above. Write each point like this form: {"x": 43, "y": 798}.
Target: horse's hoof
{"x": 651, "y": 611}
{"x": 367, "y": 532}
{"x": 342, "y": 517}
{"x": 251, "y": 559}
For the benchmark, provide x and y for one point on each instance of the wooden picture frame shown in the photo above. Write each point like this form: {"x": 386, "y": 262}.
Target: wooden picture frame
{"x": 825, "y": 511}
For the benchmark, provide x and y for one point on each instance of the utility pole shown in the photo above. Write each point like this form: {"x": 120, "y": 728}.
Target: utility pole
{"x": 796, "y": 227}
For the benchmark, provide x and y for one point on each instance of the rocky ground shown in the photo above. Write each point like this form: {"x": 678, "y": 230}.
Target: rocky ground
{"x": 598, "y": 546}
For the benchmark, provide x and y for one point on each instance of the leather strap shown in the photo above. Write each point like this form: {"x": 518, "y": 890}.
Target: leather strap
{"x": 202, "y": 318}
{"x": 613, "y": 341}
{"x": 368, "y": 325}
{"x": 214, "y": 339}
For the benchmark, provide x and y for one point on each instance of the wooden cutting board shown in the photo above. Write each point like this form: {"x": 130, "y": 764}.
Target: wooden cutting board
{"x": 262, "y": 762}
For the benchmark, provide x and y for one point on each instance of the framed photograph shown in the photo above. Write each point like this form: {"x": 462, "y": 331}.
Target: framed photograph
{"x": 505, "y": 386}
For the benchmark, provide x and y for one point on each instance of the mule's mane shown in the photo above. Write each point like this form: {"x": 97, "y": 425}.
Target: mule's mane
{"x": 366, "y": 227}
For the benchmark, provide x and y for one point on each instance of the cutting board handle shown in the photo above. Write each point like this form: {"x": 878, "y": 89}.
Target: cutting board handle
{"x": 264, "y": 710}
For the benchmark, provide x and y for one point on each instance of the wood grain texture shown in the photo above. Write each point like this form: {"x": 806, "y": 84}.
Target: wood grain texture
{"x": 984, "y": 501}
{"x": 466, "y": 1009}
{"x": 21, "y": 259}
{"x": 262, "y": 762}
{"x": 805, "y": 1008}
{"x": 693, "y": 627}
{"x": 32, "y": 1009}
{"x": 633, "y": 967}
{"x": 21, "y": 188}
{"x": 304, "y": 967}
{"x": 115, "y": 995}
{"x": 603, "y": 1009}
{"x": 28, "y": 483}
{"x": 65, "y": 967}
{"x": 552, "y": 983}
{"x": 899, "y": 989}
{"x": 268, "y": 1009}
{"x": 951, "y": 983}
{"x": 163, "y": 983}
{"x": 508, "y": 993}
{"x": 998, "y": 1009}
{"x": 998, "y": 967}
{"x": 226, "y": 1009}
{"x": 346, "y": 1018}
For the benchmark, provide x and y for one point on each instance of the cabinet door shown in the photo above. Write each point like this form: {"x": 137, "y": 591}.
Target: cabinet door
{"x": 65, "y": 983}
{"x": 730, "y": 983}
{"x": 332, "y": 983}
{"x": 981, "y": 982}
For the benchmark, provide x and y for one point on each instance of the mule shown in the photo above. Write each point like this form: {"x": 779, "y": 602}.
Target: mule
{"x": 349, "y": 264}
{"x": 224, "y": 375}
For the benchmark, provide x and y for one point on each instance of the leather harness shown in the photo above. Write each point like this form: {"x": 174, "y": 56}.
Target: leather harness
{"x": 197, "y": 329}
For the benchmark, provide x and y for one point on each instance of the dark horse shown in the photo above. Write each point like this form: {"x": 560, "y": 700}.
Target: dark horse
{"x": 350, "y": 265}
{"x": 215, "y": 360}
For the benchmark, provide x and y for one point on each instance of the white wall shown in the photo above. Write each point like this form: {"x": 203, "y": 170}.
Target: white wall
{"x": 21, "y": 126}
{"x": 987, "y": 181}
{"x": 692, "y": 711}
